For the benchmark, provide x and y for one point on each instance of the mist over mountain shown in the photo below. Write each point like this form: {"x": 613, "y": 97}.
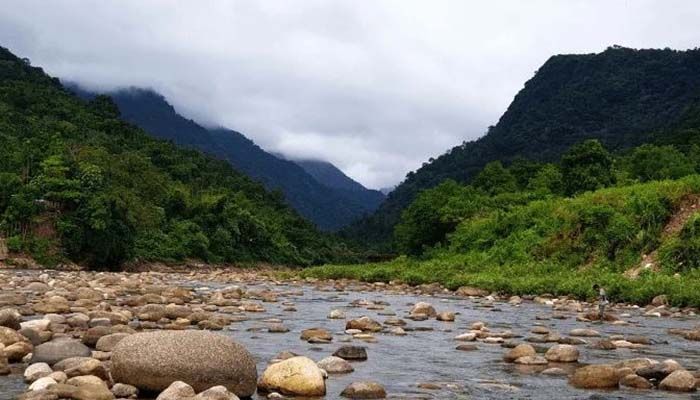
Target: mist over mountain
{"x": 317, "y": 190}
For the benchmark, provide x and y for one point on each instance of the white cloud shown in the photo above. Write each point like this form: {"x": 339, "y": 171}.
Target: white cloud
{"x": 375, "y": 87}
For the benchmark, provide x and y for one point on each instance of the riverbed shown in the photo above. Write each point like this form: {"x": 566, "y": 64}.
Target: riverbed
{"x": 427, "y": 354}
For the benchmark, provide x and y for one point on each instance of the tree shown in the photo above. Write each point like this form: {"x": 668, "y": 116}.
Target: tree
{"x": 495, "y": 179}
{"x": 548, "y": 180}
{"x": 649, "y": 162}
{"x": 586, "y": 166}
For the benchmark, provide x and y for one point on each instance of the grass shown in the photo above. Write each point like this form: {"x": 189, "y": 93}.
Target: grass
{"x": 560, "y": 246}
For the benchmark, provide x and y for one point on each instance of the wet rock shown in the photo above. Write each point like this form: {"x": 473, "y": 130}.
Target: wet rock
{"x": 531, "y": 360}
{"x": 336, "y": 314}
{"x": 153, "y": 360}
{"x": 446, "y": 316}
{"x": 635, "y": 381}
{"x": 467, "y": 347}
{"x": 423, "y": 308}
{"x": 364, "y": 390}
{"x": 519, "y": 351}
{"x": 679, "y": 381}
{"x": 600, "y": 376}
{"x": 562, "y": 353}
{"x": 355, "y": 353}
{"x": 583, "y": 332}
{"x": 635, "y": 363}
{"x": 296, "y": 376}
{"x": 395, "y": 322}
{"x": 364, "y": 324}
{"x": 317, "y": 334}
{"x": 604, "y": 345}
{"x": 398, "y": 331}
{"x": 335, "y": 365}
{"x": 59, "y": 349}
{"x": 466, "y": 337}
{"x": 277, "y": 328}
{"x": 554, "y": 372}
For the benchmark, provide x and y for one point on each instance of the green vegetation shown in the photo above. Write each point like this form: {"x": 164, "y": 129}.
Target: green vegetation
{"x": 516, "y": 231}
{"x": 77, "y": 183}
{"x": 622, "y": 97}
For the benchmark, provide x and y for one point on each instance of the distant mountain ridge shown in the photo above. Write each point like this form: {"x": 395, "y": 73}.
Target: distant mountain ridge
{"x": 329, "y": 207}
{"x": 621, "y": 97}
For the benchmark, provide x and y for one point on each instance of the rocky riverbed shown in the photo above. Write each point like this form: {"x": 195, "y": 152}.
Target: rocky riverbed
{"x": 86, "y": 335}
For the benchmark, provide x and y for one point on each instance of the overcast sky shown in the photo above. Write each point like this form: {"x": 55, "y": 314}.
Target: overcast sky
{"x": 376, "y": 87}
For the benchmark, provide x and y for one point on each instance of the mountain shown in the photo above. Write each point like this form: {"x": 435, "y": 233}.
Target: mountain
{"x": 328, "y": 207}
{"x": 620, "y": 96}
{"x": 77, "y": 183}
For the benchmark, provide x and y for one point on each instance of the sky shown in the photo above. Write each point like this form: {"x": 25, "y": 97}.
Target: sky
{"x": 375, "y": 87}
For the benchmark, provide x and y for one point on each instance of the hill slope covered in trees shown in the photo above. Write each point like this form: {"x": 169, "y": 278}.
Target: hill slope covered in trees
{"x": 78, "y": 183}
{"x": 329, "y": 206}
{"x": 621, "y": 97}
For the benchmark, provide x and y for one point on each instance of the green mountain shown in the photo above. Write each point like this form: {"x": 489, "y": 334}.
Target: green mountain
{"x": 325, "y": 202}
{"x": 622, "y": 97}
{"x": 78, "y": 183}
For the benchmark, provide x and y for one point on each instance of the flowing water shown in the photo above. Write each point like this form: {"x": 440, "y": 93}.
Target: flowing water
{"x": 427, "y": 353}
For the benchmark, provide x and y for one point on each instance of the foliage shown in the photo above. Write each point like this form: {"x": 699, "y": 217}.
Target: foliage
{"x": 77, "y": 182}
{"x": 586, "y": 166}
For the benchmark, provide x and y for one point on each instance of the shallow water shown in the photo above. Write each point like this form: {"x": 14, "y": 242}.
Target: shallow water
{"x": 401, "y": 362}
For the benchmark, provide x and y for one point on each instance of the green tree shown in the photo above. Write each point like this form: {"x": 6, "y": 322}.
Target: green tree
{"x": 495, "y": 179}
{"x": 649, "y": 162}
{"x": 586, "y": 166}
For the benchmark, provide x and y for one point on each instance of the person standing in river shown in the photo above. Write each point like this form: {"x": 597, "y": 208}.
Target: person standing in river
{"x": 602, "y": 301}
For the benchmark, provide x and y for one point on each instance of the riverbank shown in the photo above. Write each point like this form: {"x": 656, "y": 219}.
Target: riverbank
{"x": 64, "y": 329}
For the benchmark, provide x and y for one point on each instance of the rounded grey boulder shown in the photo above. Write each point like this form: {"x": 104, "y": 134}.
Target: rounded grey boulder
{"x": 154, "y": 360}
{"x": 58, "y": 350}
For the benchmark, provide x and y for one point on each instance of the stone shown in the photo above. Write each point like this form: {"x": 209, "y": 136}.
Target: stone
{"x": 635, "y": 381}
{"x": 17, "y": 351}
{"x": 584, "y": 332}
{"x": 554, "y": 372}
{"x": 177, "y": 391}
{"x": 597, "y": 376}
{"x": 466, "y": 347}
{"x": 423, "y": 308}
{"x": 353, "y": 353}
{"x": 151, "y": 312}
{"x": 154, "y": 360}
{"x": 42, "y": 383}
{"x": 296, "y": 376}
{"x": 216, "y": 393}
{"x": 519, "y": 351}
{"x": 38, "y": 325}
{"x": 9, "y": 336}
{"x": 10, "y": 318}
{"x": 468, "y": 291}
{"x": 336, "y": 314}
{"x": 660, "y": 300}
{"x": 446, "y": 316}
{"x": 36, "y": 371}
{"x": 123, "y": 391}
{"x": 531, "y": 360}
{"x": 108, "y": 342}
{"x": 59, "y": 349}
{"x": 466, "y": 337}
{"x": 364, "y": 390}
{"x": 364, "y": 324}
{"x": 335, "y": 365}
{"x": 562, "y": 353}
{"x": 678, "y": 381}
{"x": 316, "y": 333}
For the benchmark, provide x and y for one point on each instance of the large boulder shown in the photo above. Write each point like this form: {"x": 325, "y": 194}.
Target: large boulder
{"x": 679, "y": 381}
{"x": 57, "y": 350}
{"x": 601, "y": 376}
{"x": 296, "y": 376}
{"x": 154, "y": 360}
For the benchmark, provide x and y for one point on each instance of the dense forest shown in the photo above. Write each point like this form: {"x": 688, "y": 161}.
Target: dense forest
{"x": 77, "y": 183}
{"x": 329, "y": 201}
{"x": 622, "y": 97}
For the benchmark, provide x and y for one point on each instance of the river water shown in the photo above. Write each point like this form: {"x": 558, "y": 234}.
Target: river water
{"x": 428, "y": 355}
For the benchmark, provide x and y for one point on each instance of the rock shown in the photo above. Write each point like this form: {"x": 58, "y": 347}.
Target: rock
{"x": 468, "y": 291}
{"x": 36, "y": 371}
{"x": 151, "y": 312}
{"x": 4, "y": 366}
{"x": 53, "y": 305}
{"x": 600, "y": 376}
{"x": 9, "y": 336}
{"x": 554, "y": 372}
{"x": 466, "y": 337}
{"x": 16, "y": 352}
{"x": 519, "y": 351}
{"x": 660, "y": 300}
{"x": 446, "y": 316}
{"x": 635, "y": 381}
{"x": 154, "y": 360}
{"x": 277, "y": 328}
{"x": 216, "y": 393}
{"x": 87, "y": 392}
{"x": 38, "y": 325}
{"x": 335, "y": 365}
{"x": 319, "y": 334}
{"x": 356, "y": 353}
{"x": 584, "y": 332}
{"x": 57, "y": 350}
{"x": 679, "y": 381}
{"x": 108, "y": 342}
{"x": 86, "y": 380}
{"x": 364, "y": 324}
{"x": 93, "y": 335}
{"x": 296, "y": 376}
{"x": 336, "y": 314}
{"x": 531, "y": 360}
{"x": 423, "y": 308}
{"x": 364, "y": 390}
{"x": 635, "y": 363}
{"x": 84, "y": 366}
{"x": 177, "y": 391}
{"x": 123, "y": 391}
{"x": 562, "y": 353}
{"x": 10, "y": 318}
{"x": 42, "y": 383}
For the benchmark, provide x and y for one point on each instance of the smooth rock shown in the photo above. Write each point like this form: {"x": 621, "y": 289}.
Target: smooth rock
{"x": 296, "y": 376}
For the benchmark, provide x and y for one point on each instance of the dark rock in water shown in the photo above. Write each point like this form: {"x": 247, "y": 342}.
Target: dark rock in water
{"x": 57, "y": 350}
{"x": 351, "y": 353}
{"x": 467, "y": 347}
{"x": 364, "y": 390}
{"x": 154, "y": 360}
{"x": 656, "y": 372}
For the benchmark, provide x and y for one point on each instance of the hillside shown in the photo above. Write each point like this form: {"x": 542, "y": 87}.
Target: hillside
{"x": 328, "y": 206}
{"x": 77, "y": 183}
{"x": 620, "y": 96}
